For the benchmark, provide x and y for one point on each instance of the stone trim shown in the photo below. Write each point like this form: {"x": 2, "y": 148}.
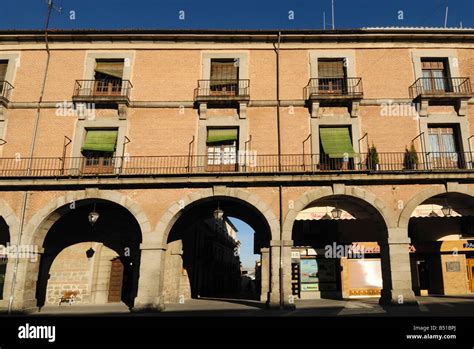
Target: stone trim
{"x": 36, "y": 229}
{"x": 92, "y": 56}
{"x": 221, "y": 121}
{"x": 80, "y": 133}
{"x": 335, "y": 121}
{"x": 356, "y": 192}
{"x": 169, "y": 218}
{"x": 444, "y": 119}
{"x": 427, "y": 193}
{"x": 242, "y": 56}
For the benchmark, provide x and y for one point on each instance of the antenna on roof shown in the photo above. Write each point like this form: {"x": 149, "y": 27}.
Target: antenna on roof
{"x": 324, "y": 20}
{"x": 332, "y": 7}
{"x": 460, "y": 24}
{"x": 446, "y": 18}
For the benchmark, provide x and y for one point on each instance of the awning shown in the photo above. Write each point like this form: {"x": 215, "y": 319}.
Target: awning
{"x": 221, "y": 135}
{"x": 320, "y": 213}
{"x": 336, "y": 142}
{"x": 100, "y": 140}
{"x": 112, "y": 68}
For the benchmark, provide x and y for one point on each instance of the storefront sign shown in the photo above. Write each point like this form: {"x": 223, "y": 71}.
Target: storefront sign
{"x": 309, "y": 271}
{"x": 453, "y": 267}
{"x": 365, "y": 292}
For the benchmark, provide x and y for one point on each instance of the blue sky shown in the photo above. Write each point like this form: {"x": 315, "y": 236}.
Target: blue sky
{"x": 245, "y": 235}
{"x": 243, "y": 14}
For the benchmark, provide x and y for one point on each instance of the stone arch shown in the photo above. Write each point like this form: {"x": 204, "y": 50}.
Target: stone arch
{"x": 39, "y": 225}
{"x": 169, "y": 218}
{"x": 11, "y": 221}
{"x": 427, "y": 193}
{"x": 319, "y": 193}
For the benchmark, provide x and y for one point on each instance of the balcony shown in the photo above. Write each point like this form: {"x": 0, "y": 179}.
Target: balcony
{"x": 333, "y": 89}
{"x": 334, "y": 92}
{"x": 5, "y": 92}
{"x": 102, "y": 91}
{"x": 222, "y": 91}
{"x": 441, "y": 88}
{"x": 183, "y": 165}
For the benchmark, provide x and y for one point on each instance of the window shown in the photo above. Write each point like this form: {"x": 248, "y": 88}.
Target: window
{"x": 435, "y": 75}
{"x": 99, "y": 150}
{"x": 224, "y": 77}
{"x": 108, "y": 75}
{"x": 336, "y": 148}
{"x": 444, "y": 147}
{"x": 332, "y": 76}
{"x": 3, "y": 73}
{"x": 222, "y": 149}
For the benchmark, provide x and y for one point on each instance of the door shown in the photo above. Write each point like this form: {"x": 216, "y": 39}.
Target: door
{"x": 224, "y": 77}
{"x": 444, "y": 152}
{"x": 423, "y": 275}
{"x": 116, "y": 280}
{"x": 435, "y": 76}
{"x": 98, "y": 165}
{"x": 331, "y": 76}
{"x": 222, "y": 157}
{"x": 470, "y": 273}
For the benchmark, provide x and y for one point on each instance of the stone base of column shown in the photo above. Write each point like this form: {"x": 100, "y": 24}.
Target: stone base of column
{"x": 148, "y": 306}
{"x": 398, "y": 297}
{"x": 273, "y": 302}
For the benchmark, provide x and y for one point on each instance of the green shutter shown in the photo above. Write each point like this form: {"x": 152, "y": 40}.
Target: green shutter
{"x": 336, "y": 142}
{"x": 221, "y": 135}
{"x": 100, "y": 140}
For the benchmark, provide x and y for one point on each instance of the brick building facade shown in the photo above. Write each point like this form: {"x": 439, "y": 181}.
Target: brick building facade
{"x": 154, "y": 129}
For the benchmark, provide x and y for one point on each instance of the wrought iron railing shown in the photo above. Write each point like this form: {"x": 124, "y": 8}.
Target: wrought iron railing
{"x": 243, "y": 163}
{"x": 5, "y": 90}
{"x": 222, "y": 89}
{"x": 440, "y": 86}
{"x": 329, "y": 87}
{"x": 111, "y": 88}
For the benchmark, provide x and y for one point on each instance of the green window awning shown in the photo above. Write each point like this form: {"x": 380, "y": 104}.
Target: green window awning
{"x": 221, "y": 135}
{"x": 336, "y": 142}
{"x": 100, "y": 140}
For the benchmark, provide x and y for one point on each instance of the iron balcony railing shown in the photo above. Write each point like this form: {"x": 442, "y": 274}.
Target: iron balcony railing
{"x": 251, "y": 163}
{"x": 107, "y": 89}
{"x": 5, "y": 90}
{"x": 333, "y": 87}
{"x": 441, "y": 86}
{"x": 222, "y": 89}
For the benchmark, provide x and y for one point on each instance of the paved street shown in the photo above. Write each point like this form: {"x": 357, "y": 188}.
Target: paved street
{"x": 428, "y": 306}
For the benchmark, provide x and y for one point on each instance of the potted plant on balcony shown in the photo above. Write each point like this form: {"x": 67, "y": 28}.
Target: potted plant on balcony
{"x": 410, "y": 159}
{"x": 373, "y": 158}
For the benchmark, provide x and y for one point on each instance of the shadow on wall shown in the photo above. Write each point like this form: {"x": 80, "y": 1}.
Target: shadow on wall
{"x": 65, "y": 266}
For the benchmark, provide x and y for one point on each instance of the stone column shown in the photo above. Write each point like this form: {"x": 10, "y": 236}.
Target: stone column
{"x": 274, "y": 294}
{"x": 150, "y": 296}
{"x": 396, "y": 272}
{"x": 265, "y": 274}
{"x": 27, "y": 273}
{"x": 280, "y": 285}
